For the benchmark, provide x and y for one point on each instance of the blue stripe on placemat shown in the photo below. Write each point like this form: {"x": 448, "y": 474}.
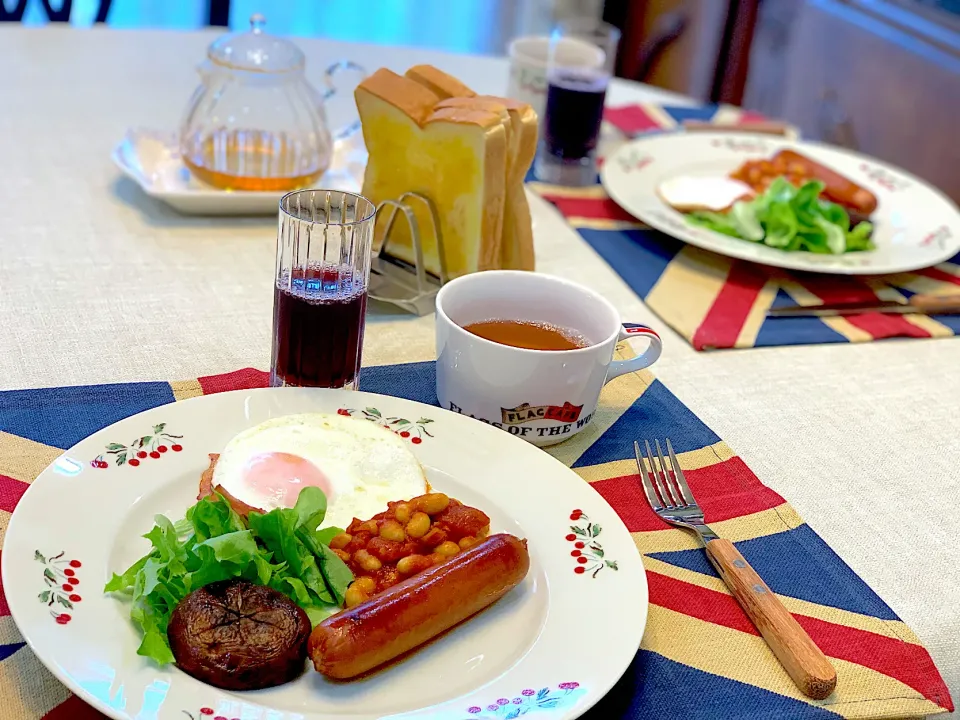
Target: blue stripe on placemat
{"x": 410, "y": 381}
{"x": 702, "y": 112}
{"x": 638, "y": 256}
{"x": 655, "y": 414}
{"x": 783, "y": 560}
{"x": 8, "y": 650}
{"x": 656, "y": 687}
{"x": 64, "y": 416}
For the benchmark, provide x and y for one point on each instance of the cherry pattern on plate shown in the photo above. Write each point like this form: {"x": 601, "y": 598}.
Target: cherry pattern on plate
{"x": 207, "y": 713}
{"x": 529, "y": 700}
{"x": 415, "y": 432}
{"x": 61, "y": 576}
{"x": 741, "y": 145}
{"x": 141, "y": 449}
{"x": 587, "y": 552}
{"x": 883, "y": 178}
{"x": 632, "y": 161}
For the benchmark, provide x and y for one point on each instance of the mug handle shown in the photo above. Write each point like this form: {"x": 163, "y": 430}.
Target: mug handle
{"x": 645, "y": 359}
{"x": 329, "y": 79}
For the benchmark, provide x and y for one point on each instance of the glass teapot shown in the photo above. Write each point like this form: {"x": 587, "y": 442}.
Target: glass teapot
{"x": 255, "y": 123}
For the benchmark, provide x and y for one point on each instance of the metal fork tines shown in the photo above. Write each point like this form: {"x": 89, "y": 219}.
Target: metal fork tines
{"x": 670, "y": 497}
{"x": 667, "y": 490}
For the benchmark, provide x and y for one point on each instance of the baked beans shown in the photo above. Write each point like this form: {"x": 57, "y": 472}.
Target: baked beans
{"x": 408, "y": 538}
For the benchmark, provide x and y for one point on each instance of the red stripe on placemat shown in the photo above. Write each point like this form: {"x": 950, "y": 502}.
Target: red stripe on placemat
{"x": 73, "y": 708}
{"x": 625, "y": 496}
{"x": 593, "y": 208}
{"x": 839, "y": 290}
{"x": 724, "y": 321}
{"x": 729, "y": 489}
{"x": 630, "y": 119}
{"x": 10, "y": 492}
{"x": 699, "y": 602}
{"x": 749, "y": 116}
{"x": 910, "y": 664}
{"x": 237, "y": 380}
{"x": 938, "y": 274}
{"x": 4, "y": 607}
{"x": 725, "y": 490}
{"x": 886, "y": 326}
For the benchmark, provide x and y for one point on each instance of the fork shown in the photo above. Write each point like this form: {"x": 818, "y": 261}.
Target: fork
{"x": 670, "y": 497}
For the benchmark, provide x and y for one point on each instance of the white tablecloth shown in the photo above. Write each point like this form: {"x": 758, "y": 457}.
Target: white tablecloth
{"x": 98, "y": 283}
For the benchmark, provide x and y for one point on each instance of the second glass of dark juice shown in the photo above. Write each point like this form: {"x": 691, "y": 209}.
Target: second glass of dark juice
{"x": 320, "y": 291}
{"x": 580, "y": 62}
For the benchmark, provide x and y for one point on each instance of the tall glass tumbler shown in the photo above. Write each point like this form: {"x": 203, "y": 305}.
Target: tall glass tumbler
{"x": 320, "y": 296}
{"x": 580, "y": 63}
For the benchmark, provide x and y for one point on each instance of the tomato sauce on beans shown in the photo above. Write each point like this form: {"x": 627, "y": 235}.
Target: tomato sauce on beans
{"x": 406, "y": 539}
{"x": 758, "y": 174}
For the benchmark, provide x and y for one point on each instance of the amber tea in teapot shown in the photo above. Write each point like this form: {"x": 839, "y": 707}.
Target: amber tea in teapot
{"x": 255, "y": 123}
{"x": 242, "y": 159}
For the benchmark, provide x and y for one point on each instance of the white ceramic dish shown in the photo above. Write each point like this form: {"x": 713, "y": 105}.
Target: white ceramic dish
{"x": 554, "y": 646}
{"x": 916, "y": 225}
{"x": 152, "y": 159}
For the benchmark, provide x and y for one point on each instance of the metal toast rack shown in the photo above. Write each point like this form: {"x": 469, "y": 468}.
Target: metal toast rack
{"x": 396, "y": 281}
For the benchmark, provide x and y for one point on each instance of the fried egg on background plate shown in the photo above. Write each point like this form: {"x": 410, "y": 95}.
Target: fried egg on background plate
{"x": 359, "y": 465}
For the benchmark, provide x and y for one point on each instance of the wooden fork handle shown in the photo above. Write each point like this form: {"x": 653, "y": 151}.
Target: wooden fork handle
{"x": 798, "y": 654}
{"x": 936, "y": 304}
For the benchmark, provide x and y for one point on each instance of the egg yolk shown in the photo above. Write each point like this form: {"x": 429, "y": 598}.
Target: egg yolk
{"x": 279, "y": 477}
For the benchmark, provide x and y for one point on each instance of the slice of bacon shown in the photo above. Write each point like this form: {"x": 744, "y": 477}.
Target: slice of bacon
{"x": 239, "y": 506}
{"x": 206, "y": 478}
{"x": 207, "y": 489}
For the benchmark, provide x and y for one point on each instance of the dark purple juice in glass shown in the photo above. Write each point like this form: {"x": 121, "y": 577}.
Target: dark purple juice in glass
{"x": 318, "y": 320}
{"x": 573, "y": 112}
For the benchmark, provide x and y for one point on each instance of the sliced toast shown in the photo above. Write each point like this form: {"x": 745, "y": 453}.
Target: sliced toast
{"x": 455, "y": 156}
{"x": 438, "y": 82}
{"x": 517, "y": 237}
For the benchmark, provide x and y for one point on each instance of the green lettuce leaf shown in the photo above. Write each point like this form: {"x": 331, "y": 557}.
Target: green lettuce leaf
{"x": 859, "y": 237}
{"x": 718, "y": 222}
{"x": 791, "y": 219}
{"x": 311, "y": 507}
{"x": 281, "y": 549}
{"x": 744, "y": 217}
{"x": 213, "y": 516}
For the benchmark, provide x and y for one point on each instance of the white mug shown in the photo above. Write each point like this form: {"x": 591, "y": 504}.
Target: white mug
{"x": 529, "y": 57}
{"x": 544, "y": 396}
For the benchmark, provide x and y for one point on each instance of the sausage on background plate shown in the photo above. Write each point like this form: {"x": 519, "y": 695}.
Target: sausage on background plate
{"x": 837, "y": 188}
{"x": 418, "y": 609}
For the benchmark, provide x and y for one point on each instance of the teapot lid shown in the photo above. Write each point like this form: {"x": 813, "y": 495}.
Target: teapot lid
{"x": 256, "y": 50}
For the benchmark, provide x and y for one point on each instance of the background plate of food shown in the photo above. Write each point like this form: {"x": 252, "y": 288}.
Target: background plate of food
{"x": 282, "y": 553}
{"x": 792, "y": 204}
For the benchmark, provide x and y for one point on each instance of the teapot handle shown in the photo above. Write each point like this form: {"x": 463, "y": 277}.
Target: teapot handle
{"x": 329, "y": 77}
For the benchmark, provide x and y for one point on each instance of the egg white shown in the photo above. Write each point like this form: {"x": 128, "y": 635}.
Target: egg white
{"x": 367, "y": 465}
{"x": 687, "y": 193}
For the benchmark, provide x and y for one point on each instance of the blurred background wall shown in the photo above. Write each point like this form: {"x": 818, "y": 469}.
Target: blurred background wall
{"x": 880, "y": 76}
{"x": 466, "y": 26}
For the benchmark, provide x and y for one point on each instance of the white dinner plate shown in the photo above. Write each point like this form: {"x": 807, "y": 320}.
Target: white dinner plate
{"x": 553, "y": 646}
{"x": 151, "y": 158}
{"x": 916, "y": 225}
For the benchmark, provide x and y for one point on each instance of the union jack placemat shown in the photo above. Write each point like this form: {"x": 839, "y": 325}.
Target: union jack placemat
{"x": 697, "y": 638}
{"x": 717, "y": 302}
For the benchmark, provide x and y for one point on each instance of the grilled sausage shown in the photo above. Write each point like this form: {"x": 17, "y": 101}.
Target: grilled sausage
{"x": 837, "y": 188}
{"x": 422, "y": 607}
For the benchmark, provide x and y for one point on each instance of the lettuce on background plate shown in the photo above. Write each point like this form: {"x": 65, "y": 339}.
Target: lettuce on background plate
{"x": 791, "y": 219}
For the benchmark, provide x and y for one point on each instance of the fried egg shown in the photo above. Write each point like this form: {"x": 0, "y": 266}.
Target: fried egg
{"x": 688, "y": 193}
{"x": 359, "y": 465}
